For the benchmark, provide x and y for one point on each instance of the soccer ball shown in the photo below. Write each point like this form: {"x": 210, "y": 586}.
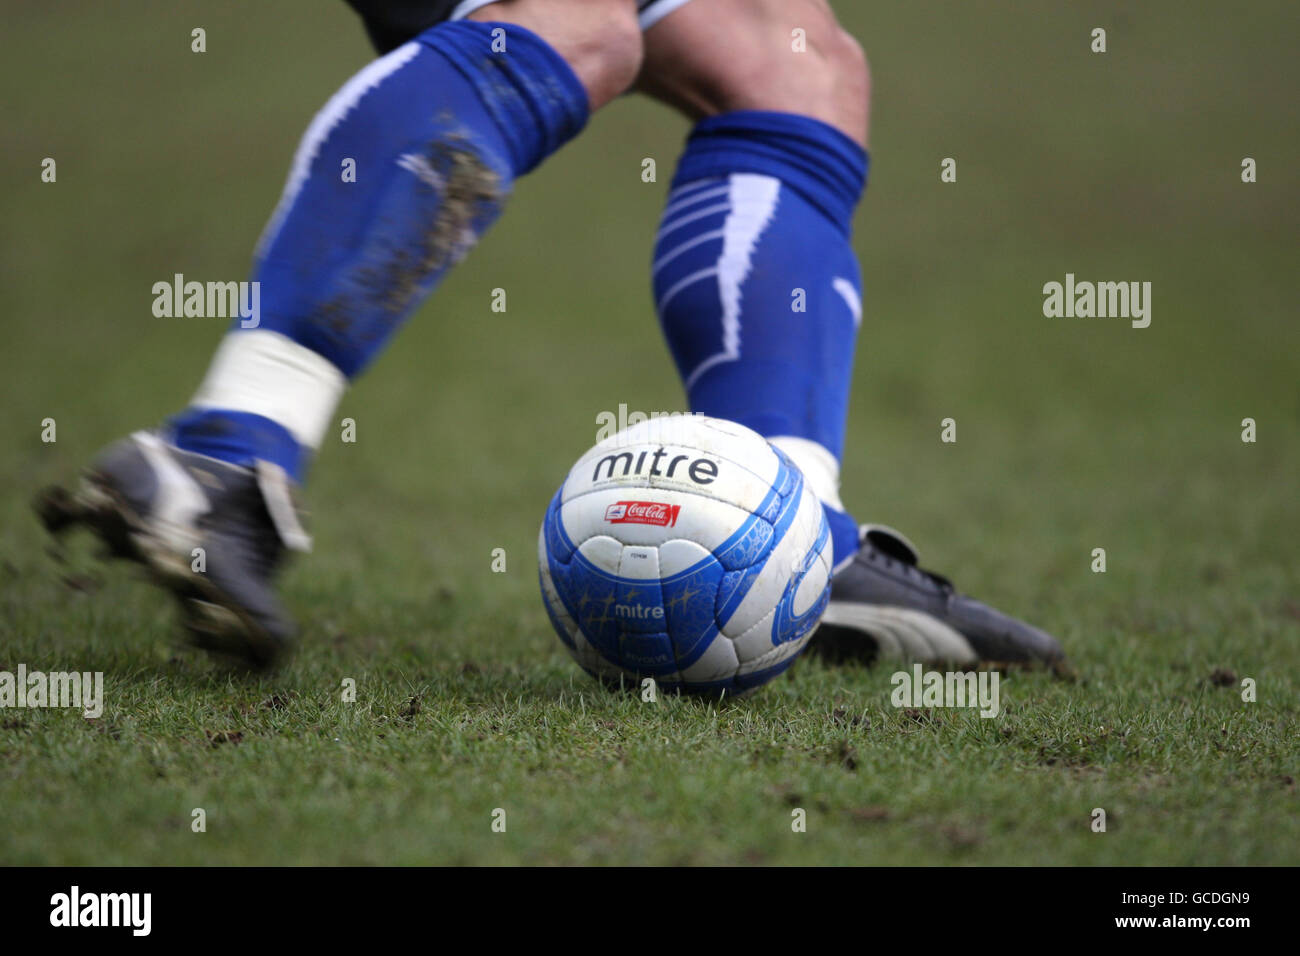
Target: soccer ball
{"x": 686, "y": 549}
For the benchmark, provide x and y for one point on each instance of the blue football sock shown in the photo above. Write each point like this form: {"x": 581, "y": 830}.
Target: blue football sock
{"x": 395, "y": 180}
{"x": 758, "y": 290}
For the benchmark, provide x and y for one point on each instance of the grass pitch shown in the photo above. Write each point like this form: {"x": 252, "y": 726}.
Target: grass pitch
{"x": 1073, "y": 434}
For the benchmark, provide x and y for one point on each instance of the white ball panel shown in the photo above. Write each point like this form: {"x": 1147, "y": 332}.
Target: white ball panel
{"x": 717, "y": 663}
{"x": 753, "y": 643}
{"x": 755, "y": 651}
{"x": 629, "y": 469}
{"x": 677, "y": 555}
{"x": 639, "y": 562}
{"x": 604, "y": 552}
{"x": 812, "y": 585}
{"x": 550, "y": 595}
{"x": 690, "y": 517}
{"x": 703, "y": 456}
{"x": 716, "y": 436}
{"x": 790, "y": 554}
{"x": 774, "y": 656}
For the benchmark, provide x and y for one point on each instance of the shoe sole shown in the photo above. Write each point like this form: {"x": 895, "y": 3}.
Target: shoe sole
{"x": 900, "y": 632}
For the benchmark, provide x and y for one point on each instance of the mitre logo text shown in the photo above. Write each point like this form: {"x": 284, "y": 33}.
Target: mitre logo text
{"x": 702, "y": 471}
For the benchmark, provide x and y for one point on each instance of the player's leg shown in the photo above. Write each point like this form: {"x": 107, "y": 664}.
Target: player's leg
{"x": 437, "y": 130}
{"x": 393, "y": 183}
{"x": 756, "y": 285}
{"x": 758, "y": 290}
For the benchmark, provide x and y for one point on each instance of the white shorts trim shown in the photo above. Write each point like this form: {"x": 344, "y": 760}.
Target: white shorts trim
{"x": 650, "y": 12}
{"x": 654, "y": 11}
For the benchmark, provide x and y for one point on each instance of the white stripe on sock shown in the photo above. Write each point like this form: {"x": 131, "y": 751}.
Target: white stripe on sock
{"x": 682, "y": 284}
{"x": 675, "y": 204}
{"x": 850, "y": 296}
{"x": 753, "y": 200}
{"x": 670, "y": 256}
{"x": 339, "y": 105}
{"x": 268, "y": 374}
{"x": 685, "y": 220}
{"x": 695, "y": 186}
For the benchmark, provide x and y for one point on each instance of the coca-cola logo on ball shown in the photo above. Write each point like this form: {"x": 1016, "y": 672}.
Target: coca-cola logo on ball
{"x": 642, "y": 512}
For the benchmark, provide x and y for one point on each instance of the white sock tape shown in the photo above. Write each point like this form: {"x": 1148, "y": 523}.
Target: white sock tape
{"x": 268, "y": 374}
{"x": 818, "y": 465}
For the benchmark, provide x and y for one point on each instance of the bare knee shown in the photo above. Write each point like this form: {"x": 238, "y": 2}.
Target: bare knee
{"x": 599, "y": 39}
{"x": 714, "y": 56}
